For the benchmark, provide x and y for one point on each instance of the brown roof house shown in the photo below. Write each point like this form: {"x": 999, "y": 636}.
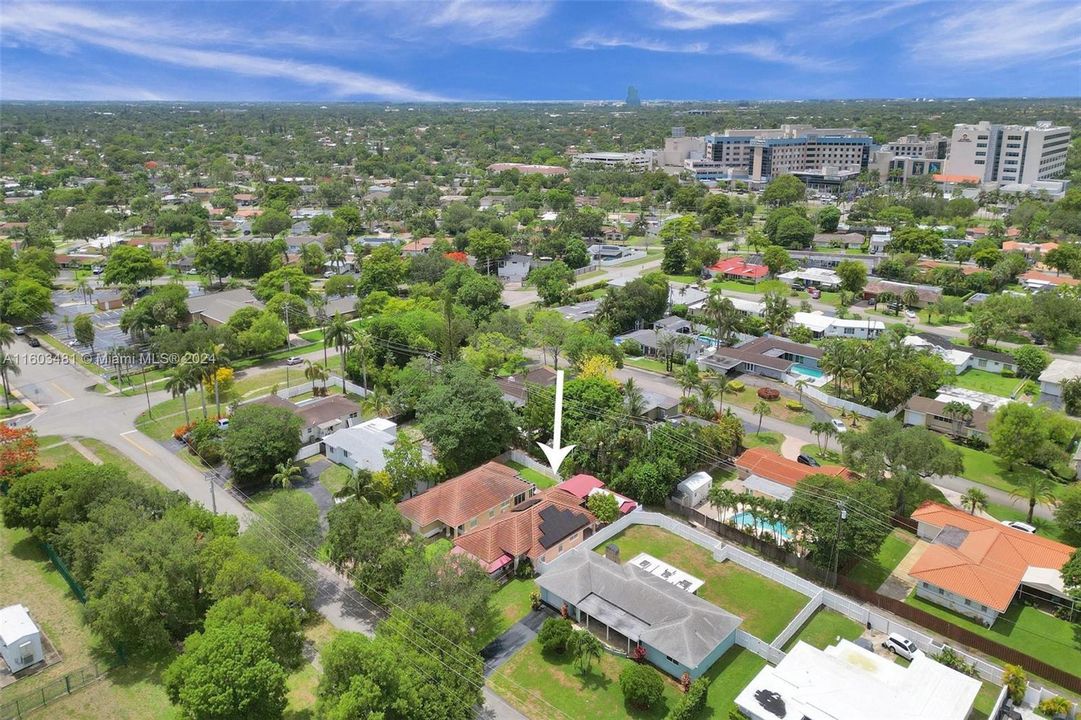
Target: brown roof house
{"x": 321, "y": 416}
{"x": 540, "y": 529}
{"x": 216, "y": 308}
{"x": 466, "y": 502}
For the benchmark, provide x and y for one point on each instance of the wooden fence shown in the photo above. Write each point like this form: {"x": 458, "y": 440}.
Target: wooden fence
{"x": 956, "y": 633}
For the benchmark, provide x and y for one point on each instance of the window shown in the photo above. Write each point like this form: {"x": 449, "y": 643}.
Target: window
{"x": 940, "y": 591}
{"x": 473, "y": 523}
{"x": 671, "y": 660}
{"x": 26, "y": 653}
{"x": 968, "y": 603}
{"x": 491, "y": 513}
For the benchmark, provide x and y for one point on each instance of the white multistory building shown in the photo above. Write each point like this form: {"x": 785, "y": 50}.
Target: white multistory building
{"x": 986, "y": 152}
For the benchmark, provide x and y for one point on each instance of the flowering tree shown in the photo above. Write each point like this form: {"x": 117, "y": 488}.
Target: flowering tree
{"x": 18, "y": 452}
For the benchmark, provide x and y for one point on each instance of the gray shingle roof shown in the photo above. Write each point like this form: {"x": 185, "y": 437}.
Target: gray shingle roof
{"x": 681, "y": 625}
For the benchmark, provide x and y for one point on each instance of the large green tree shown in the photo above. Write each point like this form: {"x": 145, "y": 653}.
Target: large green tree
{"x": 260, "y": 437}
{"x": 819, "y": 503}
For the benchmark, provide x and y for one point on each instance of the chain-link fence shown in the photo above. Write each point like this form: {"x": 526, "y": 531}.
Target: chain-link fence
{"x": 58, "y": 688}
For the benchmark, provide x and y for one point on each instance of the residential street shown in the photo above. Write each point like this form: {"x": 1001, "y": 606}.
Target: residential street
{"x": 525, "y": 296}
{"x": 994, "y": 495}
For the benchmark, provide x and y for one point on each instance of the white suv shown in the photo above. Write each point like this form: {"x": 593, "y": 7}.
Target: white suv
{"x": 1018, "y": 525}
{"x": 900, "y": 645}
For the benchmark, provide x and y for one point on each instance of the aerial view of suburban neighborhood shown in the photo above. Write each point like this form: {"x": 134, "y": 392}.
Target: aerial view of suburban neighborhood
{"x": 540, "y": 360}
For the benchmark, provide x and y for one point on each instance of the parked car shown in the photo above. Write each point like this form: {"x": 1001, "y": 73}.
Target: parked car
{"x": 32, "y": 341}
{"x": 293, "y": 361}
{"x": 814, "y": 292}
{"x": 807, "y": 460}
{"x": 223, "y": 423}
{"x": 97, "y": 269}
{"x": 20, "y": 330}
{"x": 839, "y": 425}
{"x": 1018, "y": 525}
{"x": 910, "y": 314}
{"x": 900, "y": 645}
{"x": 192, "y": 271}
{"x": 328, "y": 274}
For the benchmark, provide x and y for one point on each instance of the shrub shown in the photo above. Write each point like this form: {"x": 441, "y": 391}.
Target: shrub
{"x": 525, "y": 570}
{"x": 1054, "y": 707}
{"x": 951, "y": 659}
{"x": 554, "y": 634}
{"x": 768, "y": 393}
{"x": 692, "y": 703}
{"x": 638, "y": 654}
{"x": 182, "y": 430}
{"x": 631, "y": 347}
{"x": 794, "y": 405}
{"x": 1007, "y": 373}
{"x": 642, "y": 686}
{"x": 736, "y": 386}
{"x": 1016, "y": 681}
{"x": 679, "y": 310}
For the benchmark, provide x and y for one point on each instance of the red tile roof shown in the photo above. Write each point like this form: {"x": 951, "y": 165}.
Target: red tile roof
{"x": 738, "y": 267}
{"x": 518, "y": 533}
{"x": 990, "y": 561}
{"x": 1049, "y": 278}
{"x": 464, "y": 497}
{"x": 580, "y": 485}
{"x": 770, "y": 465}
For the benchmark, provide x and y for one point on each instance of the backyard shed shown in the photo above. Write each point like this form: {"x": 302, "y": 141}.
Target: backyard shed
{"x": 20, "y": 638}
{"x": 694, "y": 490}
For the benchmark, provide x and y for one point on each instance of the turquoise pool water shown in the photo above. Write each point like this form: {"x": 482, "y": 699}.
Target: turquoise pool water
{"x": 808, "y": 371}
{"x": 746, "y": 519}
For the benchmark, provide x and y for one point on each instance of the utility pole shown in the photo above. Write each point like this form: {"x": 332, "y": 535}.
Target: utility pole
{"x": 213, "y": 500}
{"x": 146, "y": 391}
{"x": 842, "y": 515}
{"x": 286, "y": 287}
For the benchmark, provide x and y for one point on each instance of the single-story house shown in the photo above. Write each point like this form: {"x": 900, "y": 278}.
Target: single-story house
{"x": 463, "y": 503}
{"x": 108, "y": 301}
{"x": 879, "y": 242}
{"x": 823, "y": 326}
{"x": 296, "y": 243}
{"x": 769, "y": 356}
{"x": 516, "y": 387}
{"x": 1035, "y": 281}
{"x": 418, "y": 246}
{"x": 679, "y": 631}
{"x": 20, "y": 638}
{"x": 845, "y": 240}
{"x": 1053, "y": 376}
{"x": 811, "y": 277}
{"x": 584, "y": 310}
{"x": 737, "y": 268}
{"x": 962, "y": 357}
{"x": 848, "y": 682}
{"x": 538, "y": 529}
{"x": 931, "y": 414}
{"x": 976, "y": 566}
{"x": 1030, "y": 250}
{"x": 687, "y": 295}
{"x": 659, "y": 406}
{"x": 766, "y": 472}
{"x": 692, "y": 346}
{"x": 613, "y": 254}
{"x": 216, "y": 308}
{"x": 674, "y": 324}
{"x": 361, "y": 446}
{"x": 512, "y": 267}
{"x": 322, "y": 416}
{"x": 582, "y": 486}
{"x": 926, "y": 294}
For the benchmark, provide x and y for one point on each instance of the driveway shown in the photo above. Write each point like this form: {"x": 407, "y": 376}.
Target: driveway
{"x": 514, "y": 639}
{"x": 899, "y": 584}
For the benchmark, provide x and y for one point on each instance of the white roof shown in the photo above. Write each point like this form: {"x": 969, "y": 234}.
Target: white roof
{"x": 1060, "y": 370}
{"x": 812, "y": 273}
{"x": 15, "y": 624}
{"x": 814, "y": 320}
{"x": 747, "y": 306}
{"x": 696, "y": 480}
{"x": 846, "y": 682}
{"x": 365, "y": 443}
{"x": 953, "y": 356}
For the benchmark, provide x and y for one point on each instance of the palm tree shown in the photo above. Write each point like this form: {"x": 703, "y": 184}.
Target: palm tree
{"x": 7, "y": 335}
{"x": 707, "y": 392}
{"x": 285, "y": 475}
{"x": 776, "y": 312}
{"x": 723, "y": 499}
{"x": 319, "y": 303}
{"x": 7, "y": 366}
{"x": 761, "y": 409}
{"x": 177, "y": 383}
{"x": 666, "y": 346}
{"x": 218, "y": 360}
{"x": 799, "y": 385}
{"x": 377, "y": 402}
{"x": 960, "y": 413}
{"x": 362, "y": 342}
{"x": 974, "y": 499}
{"x": 688, "y": 378}
{"x": 315, "y": 372}
{"x": 84, "y": 287}
{"x": 722, "y": 315}
{"x": 822, "y": 428}
{"x": 586, "y": 648}
{"x": 1037, "y": 488}
{"x": 721, "y": 383}
{"x": 339, "y": 333}
{"x": 633, "y": 401}
{"x": 910, "y": 298}
{"x": 361, "y": 486}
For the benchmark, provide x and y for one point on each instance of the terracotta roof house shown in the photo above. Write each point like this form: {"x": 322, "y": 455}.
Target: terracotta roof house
{"x": 1036, "y": 280}
{"x": 418, "y": 246}
{"x": 582, "y": 486}
{"x": 927, "y": 294}
{"x": 679, "y": 631}
{"x": 766, "y": 472}
{"x": 466, "y": 502}
{"x": 539, "y": 529}
{"x": 321, "y": 416}
{"x": 976, "y": 566}
{"x": 736, "y": 268}
{"x": 1029, "y": 249}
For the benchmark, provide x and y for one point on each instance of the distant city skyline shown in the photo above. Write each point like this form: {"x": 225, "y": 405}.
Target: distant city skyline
{"x": 544, "y": 50}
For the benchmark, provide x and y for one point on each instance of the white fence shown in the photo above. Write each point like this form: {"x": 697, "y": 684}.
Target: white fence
{"x": 831, "y": 401}
{"x": 309, "y": 451}
{"x": 759, "y": 647}
{"x": 522, "y": 458}
{"x": 305, "y": 385}
{"x": 797, "y": 622}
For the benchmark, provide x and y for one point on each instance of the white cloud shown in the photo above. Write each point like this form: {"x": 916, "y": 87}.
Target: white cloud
{"x": 774, "y": 52}
{"x": 702, "y": 14}
{"x": 597, "y": 42}
{"x": 1001, "y": 34}
{"x": 489, "y": 20}
{"x": 66, "y": 27}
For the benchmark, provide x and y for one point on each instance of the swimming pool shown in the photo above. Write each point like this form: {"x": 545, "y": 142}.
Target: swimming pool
{"x": 746, "y": 519}
{"x": 808, "y": 371}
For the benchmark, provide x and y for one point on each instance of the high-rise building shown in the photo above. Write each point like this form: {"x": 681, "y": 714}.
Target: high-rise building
{"x": 632, "y": 97}
{"x": 988, "y": 152}
{"x": 760, "y": 155}
{"x": 910, "y": 156}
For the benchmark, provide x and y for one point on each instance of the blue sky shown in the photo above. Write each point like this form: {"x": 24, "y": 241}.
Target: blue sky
{"x": 310, "y": 50}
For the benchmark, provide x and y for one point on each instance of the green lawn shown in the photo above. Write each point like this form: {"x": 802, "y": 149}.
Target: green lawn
{"x": 645, "y": 363}
{"x": 541, "y": 480}
{"x": 512, "y": 604}
{"x": 983, "y": 381}
{"x": 892, "y": 552}
{"x": 60, "y": 454}
{"x": 16, "y": 408}
{"x": 1023, "y": 628}
{"x": 551, "y": 687}
{"x": 334, "y": 477}
{"x": 826, "y": 457}
{"x": 109, "y": 454}
{"x": 983, "y": 467}
{"x": 727, "y": 678}
{"x": 765, "y": 606}
{"x": 985, "y": 701}
{"x": 823, "y": 629}
{"x": 763, "y": 439}
{"x": 1047, "y": 528}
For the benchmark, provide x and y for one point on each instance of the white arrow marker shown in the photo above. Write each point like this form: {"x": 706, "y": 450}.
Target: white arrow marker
{"x": 555, "y": 454}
